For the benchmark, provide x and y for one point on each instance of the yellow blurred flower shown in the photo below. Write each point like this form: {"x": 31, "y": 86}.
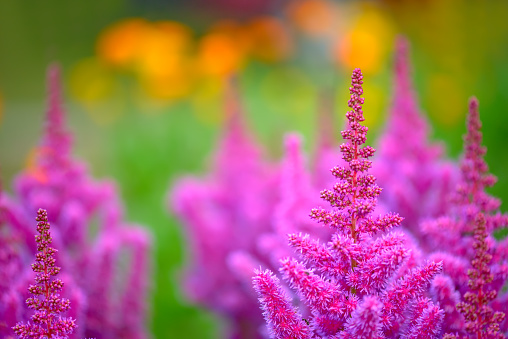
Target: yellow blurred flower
{"x": 376, "y": 101}
{"x": 313, "y": 17}
{"x": 164, "y": 65}
{"x": 367, "y": 43}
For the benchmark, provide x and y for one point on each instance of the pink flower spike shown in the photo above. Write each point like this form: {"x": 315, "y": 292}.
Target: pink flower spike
{"x": 480, "y": 318}
{"x": 47, "y": 323}
{"x": 359, "y": 293}
{"x": 282, "y": 318}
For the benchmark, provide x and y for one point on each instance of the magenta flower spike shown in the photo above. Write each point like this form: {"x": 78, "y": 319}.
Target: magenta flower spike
{"x": 481, "y": 320}
{"x": 361, "y": 291}
{"x": 418, "y": 177}
{"x": 473, "y": 212}
{"x": 46, "y": 321}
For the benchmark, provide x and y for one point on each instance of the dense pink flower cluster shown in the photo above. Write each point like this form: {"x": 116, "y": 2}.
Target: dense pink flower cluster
{"x": 418, "y": 183}
{"x": 89, "y": 231}
{"x": 46, "y": 321}
{"x": 363, "y": 290}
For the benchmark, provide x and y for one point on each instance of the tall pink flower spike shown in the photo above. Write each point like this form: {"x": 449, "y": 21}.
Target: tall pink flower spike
{"x": 418, "y": 177}
{"x": 57, "y": 182}
{"x": 481, "y": 256}
{"x": 357, "y": 292}
{"x": 47, "y": 321}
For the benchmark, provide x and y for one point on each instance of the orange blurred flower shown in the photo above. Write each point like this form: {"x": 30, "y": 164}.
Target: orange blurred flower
{"x": 159, "y": 53}
{"x": 220, "y": 54}
{"x": 313, "y": 17}
{"x": 269, "y": 39}
{"x": 164, "y": 64}
{"x": 164, "y": 49}
{"x": 120, "y": 44}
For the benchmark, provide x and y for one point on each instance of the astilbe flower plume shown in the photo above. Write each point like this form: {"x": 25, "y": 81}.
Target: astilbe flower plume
{"x": 413, "y": 168}
{"x": 46, "y": 321}
{"x": 481, "y": 320}
{"x": 87, "y": 228}
{"x": 475, "y": 213}
{"x": 235, "y": 202}
{"x": 251, "y": 202}
{"x": 349, "y": 287}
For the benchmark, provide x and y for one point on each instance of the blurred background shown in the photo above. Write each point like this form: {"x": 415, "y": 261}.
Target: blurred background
{"x": 144, "y": 87}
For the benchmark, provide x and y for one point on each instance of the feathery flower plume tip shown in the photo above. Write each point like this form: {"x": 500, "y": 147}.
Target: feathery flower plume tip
{"x": 45, "y": 300}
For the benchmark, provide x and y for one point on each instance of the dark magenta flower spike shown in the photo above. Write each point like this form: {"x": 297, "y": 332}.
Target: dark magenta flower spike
{"x": 451, "y": 239}
{"x": 407, "y": 162}
{"x": 482, "y": 321}
{"x": 356, "y": 285}
{"x": 47, "y": 321}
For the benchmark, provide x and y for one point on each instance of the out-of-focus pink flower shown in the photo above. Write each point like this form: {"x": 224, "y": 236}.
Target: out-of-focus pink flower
{"x": 85, "y": 214}
{"x": 417, "y": 176}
